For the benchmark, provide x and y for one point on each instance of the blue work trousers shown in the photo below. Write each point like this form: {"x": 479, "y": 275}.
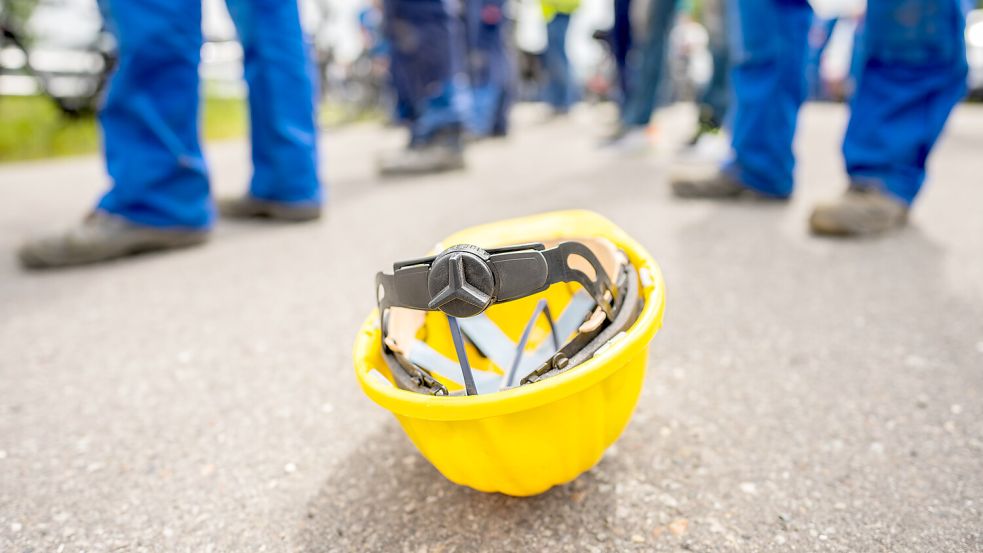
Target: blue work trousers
{"x": 561, "y": 91}
{"x": 489, "y": 66}
{"x": 647, "y": 82}
{"x": 715, "y": 98}
{"x": 427, "y": 66}
{"x": 150, "y": 120}
{"x": 621, "y": 45}
{"x": 914, "y": 72}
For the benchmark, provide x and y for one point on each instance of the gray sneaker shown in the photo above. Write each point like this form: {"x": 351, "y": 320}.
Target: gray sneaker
{"x": 247, "y": 207}
{"x": 696, "y": 182}
{"x": 101, "y": 237}
{"x": 861, "y": 211}
{"x": 421, "y": 160}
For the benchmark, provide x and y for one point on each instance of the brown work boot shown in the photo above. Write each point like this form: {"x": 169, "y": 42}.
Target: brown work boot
{"x": 698, "y": 182}
{"x": 861, "y": 211}
{"x": 248, "y": 207}
{"x": 101, "y": 237}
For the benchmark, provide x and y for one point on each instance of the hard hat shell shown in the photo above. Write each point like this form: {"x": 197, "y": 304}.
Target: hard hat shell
{"x": 525, "y": 440}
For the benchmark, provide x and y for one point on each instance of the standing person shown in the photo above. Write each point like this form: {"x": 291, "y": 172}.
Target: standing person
{"x": 914, "y": 73}
{"x": 159, "y": 198}
{"x": 561, "y": 92}
{"x": 647, "y": 84}
{"x": 426, "y": 38}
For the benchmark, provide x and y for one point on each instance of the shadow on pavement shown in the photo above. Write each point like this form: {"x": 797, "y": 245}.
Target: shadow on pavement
{"x": 820, "y": 368}
{"x": 386, "y": 497}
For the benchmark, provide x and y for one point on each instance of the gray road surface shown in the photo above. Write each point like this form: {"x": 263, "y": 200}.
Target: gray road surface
{"x": 805, "y": 394}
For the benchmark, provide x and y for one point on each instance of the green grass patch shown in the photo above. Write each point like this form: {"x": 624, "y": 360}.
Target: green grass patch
{"x": 32, "y": 127}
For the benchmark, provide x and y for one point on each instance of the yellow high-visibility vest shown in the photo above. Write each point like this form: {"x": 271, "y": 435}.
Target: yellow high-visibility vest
{"x": 553, "y": 7}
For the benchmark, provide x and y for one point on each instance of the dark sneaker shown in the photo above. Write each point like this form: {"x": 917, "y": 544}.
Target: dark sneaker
{"x": 861, "y": 211}
{"x": 101, "y": 237}
{"x": 698, "y": 182}
{"x": 710, "y": 148}
{"x": 247, "y": 207}
{"x": 422, "y": 160}
{"x": 631, "y": 140}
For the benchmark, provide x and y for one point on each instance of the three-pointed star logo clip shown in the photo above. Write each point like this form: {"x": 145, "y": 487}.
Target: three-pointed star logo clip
{"x": 458, "y": 287}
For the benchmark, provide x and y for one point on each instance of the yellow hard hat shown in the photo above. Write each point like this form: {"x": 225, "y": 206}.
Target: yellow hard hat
{"x": 496, "y": 393}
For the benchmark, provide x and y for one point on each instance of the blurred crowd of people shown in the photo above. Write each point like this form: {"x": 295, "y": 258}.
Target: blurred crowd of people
{"x": 451, "y": 69}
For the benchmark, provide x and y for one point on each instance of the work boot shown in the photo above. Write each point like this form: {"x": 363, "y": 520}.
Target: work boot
{"x": 696, "y": 182}
{"x": 861, "y": 211}
{"x": 443, "y": 152}
{"x": 101, "y": 237}
{"x": 248, "y": 207}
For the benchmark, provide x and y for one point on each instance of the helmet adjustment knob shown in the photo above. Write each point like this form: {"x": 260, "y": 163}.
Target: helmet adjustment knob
{"x": 461, "y": 281}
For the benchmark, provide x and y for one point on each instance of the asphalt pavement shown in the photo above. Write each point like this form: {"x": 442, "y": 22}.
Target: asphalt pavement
{"x": 804, "y": 395}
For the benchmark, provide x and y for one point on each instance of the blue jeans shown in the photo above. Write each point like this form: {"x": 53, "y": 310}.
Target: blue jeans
{"x": 647, "y": 80}
{"x": 820, "y": 34}
{"x": 914, "y": 72}
{"x": 560, "y": 90}
{"x": 715, "y": 99}
{"x": 150, "y": 119}
{"x": 426, "y": 38}
{"x": 489, "y": 67}
{"x": 621, "y": 45}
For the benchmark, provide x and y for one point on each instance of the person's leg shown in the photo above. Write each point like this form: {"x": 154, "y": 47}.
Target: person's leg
{"x": 426, "y": 38}
{"x": 914, "y": 74}
{"x": 159, "y": 196}
{"x": 715, "y": 99}
{"x": 768, "y": 51}
{"x": 150, "y": 118}
{"x": 621, "y": 44}
{"x": 490, "y": 67}
{"x": 559, "y": 88}
{"x": 644, "y": 93}
{"x": 282, "y": 106}
{"x": 819, "y": 36}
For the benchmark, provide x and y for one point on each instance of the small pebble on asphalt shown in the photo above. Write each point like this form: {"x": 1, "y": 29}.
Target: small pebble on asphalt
{"x": 678, "y": 527}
